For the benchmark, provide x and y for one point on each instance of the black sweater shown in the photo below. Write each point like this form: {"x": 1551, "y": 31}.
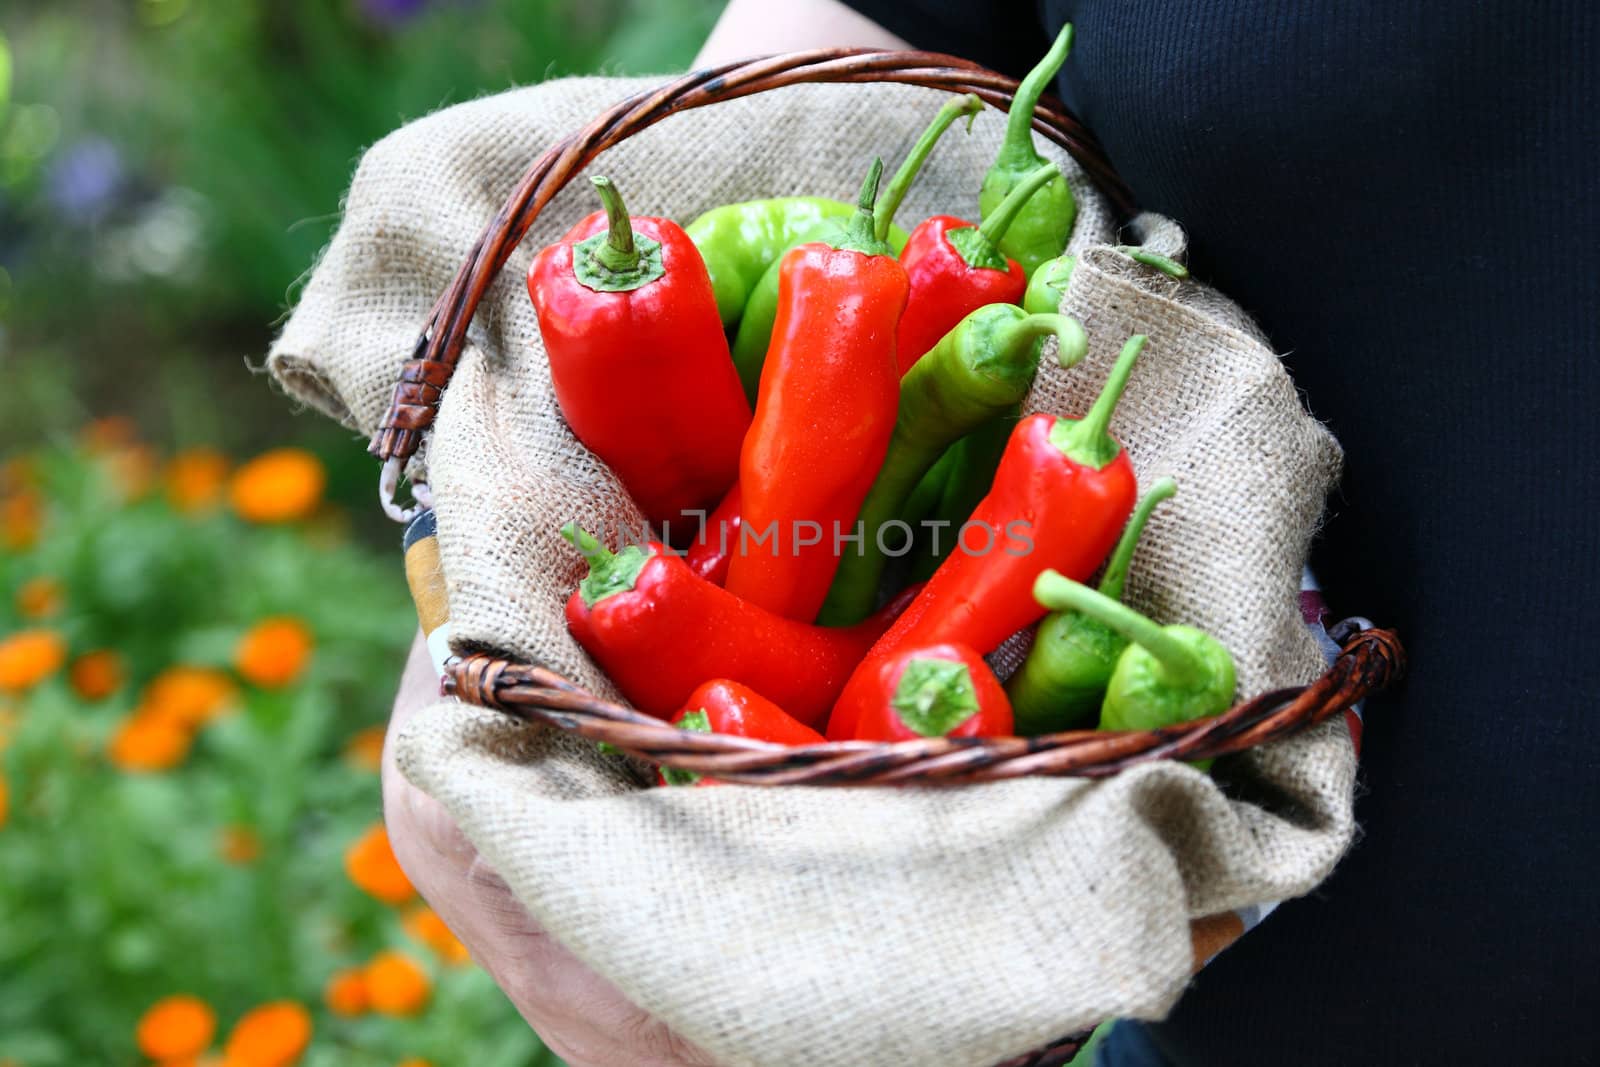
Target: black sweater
{"x": 1405, "y": 196}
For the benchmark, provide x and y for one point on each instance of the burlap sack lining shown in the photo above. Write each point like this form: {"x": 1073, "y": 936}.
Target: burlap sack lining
{"x": 806, "y": 925}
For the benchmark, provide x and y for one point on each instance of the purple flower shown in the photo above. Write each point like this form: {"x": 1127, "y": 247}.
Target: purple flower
{"x": 83, "y": 181}
{"x": 392, "y": 13}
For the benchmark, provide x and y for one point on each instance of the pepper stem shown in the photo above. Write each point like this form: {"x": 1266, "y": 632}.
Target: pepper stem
{"x": 1018, "y": 145}
{"x": 1086, "y": 440}
{"x": 618, "y": 253}
{"x": 610, "y": 572}
{"x": 993, "y": 229}
{"x": 1116, "y": 576}
{"x": 934, "y": 696}
{"x": 979, "y": 246}
{"x": 597, "y": 554}
{"x": 860, "y": 234}
{"x": 1182, "y": 665}
{"x": 1073, "y": 347}
{"x": 900, "y": 184}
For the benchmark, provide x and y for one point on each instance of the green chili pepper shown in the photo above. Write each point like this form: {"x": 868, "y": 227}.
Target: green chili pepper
{"x": 969, "y": 474}
{"x": 1041, "y": 229}
{"x": 1062, "y": 682}
{"x": 1047, "y": 286}
{"x": 740, "y": 241}
{"x": 1167, "y": 675}
{"x": 925, "y": 497}
{"x": 761, "y": 306}
{"x": 978, "y": 370}
{"x": 1170, "y": 267}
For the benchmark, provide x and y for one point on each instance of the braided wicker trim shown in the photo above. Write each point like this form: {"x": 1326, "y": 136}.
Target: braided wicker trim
{"x": 1371, "y": 660}
{"x": 416, "y": 397}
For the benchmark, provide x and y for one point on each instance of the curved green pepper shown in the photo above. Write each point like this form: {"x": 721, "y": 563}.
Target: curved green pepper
{"x": 1170, "y": 267}
{"x": 978, "y": 370}
{"x": 1061, "y": 683}
{"x": 1167, "y": 675}
{"x": 1047, "y": 286}
{"x": 969, "y": 467}
{"x": 761, "y": 305}
{"x": 740, "y": 241}
{"x": 1041, "y": 229}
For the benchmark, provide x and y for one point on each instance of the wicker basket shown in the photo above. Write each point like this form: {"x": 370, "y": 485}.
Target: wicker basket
{"x": 1371, "y": 658}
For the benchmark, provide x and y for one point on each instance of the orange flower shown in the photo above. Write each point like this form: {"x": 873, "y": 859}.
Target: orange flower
{"x": 371, "y": 865}
{"x": 424, "y": 924}
{"x": 28, "y": 657}
{"x": 278, "y": 486}
{"x": 396, "y": 984}
{"x": 415, "y": 1062}
{"x": 274, "y": 652}
{"x": 239, "y": 845}
{"x": 149, "y": 740}
{"x": 272, "y": 1035}
{"x": 17, "y": 473}
{"x": 176, "y": 1027}
{"x": 39, "y": 598}
{"x": 21, "y": 515}
{"x": 192, "y": 696}
{"x": 5, "y": 801}
{"x": 132, "y": 469}
{"x": 364, "y": 750}
{"x": 195, "y": 479}
{"x": 96, "y": 675}
{"x": 108, "y": 433}
{"x": 346, "y": 993}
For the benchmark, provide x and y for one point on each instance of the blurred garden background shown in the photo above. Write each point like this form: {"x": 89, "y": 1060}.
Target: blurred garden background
{"x": 202, "y": 615}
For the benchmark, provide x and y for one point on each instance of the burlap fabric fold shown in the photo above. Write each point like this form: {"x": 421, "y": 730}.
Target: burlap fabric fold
{"x": 826, "y": 927}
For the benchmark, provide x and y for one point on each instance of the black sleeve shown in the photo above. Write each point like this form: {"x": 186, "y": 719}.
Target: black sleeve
{"x": 1006, "y": 35}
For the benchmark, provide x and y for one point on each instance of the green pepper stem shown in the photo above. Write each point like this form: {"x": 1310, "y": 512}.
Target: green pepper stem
{"x": 1056, "y": 592}
{"x": 1116, "y": 577}
{"x": 588, "y": 544}
{"x": 860, "y": 233}
{"x": 900, "y": 184}
{"x": 1086, "y": 440}
{"x": 1018, "y": 145}
{"x": 618, "y": 253}
{"x": 1074, "y": 345}
{"x": 993, "y": 229}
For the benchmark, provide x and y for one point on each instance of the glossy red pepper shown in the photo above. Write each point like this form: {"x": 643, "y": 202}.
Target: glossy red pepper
{"x": 826, "y": 409}
{"x": 955, "y": 268}
{"x": 1061, "y": 496}
{"x": 723, "y": 707}
{"x": 639, "y": 360}
{"x": 658, "y": 632}
{"x": 713, "y": 547}
{"x": 932, "y": 691}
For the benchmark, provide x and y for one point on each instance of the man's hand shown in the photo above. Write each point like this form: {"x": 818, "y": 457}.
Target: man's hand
{"x": 580, "y": 1015}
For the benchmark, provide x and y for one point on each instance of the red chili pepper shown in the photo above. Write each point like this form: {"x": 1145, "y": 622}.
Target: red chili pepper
{"x": 639, "y": 359}
{"x": 955, "y": 268}
{"x": 933, "y": 691}
{"x": 659, "y": 632}
{"x": 712, "y": 550}
{"x": 1061, "y": 497}
{"x": 723, "y": 707}
{"x": 824, "y": 414}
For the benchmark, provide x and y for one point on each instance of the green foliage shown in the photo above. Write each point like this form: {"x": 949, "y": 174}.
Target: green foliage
{"x": 115, "y": 891}
{"x": 241, "y": 122}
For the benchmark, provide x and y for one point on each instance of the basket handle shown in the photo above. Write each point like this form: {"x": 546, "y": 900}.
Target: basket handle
{"x": 424, "y": 377}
